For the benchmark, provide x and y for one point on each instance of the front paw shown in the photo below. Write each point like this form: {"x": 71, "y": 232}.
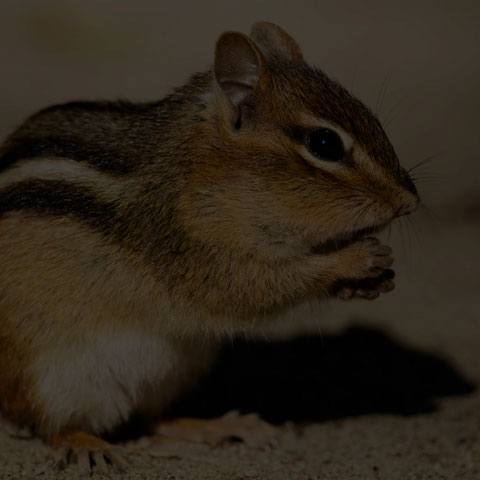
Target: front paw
{"x": 366, "y": 259}
{"x": 368, "y": 288}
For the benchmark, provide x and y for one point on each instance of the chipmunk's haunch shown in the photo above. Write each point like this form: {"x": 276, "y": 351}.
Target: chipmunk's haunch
{"x": 131, "y": 233}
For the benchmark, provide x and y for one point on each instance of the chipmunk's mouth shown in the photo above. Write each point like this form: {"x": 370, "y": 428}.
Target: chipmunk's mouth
{"x": 366, "y": 232}
{"x": 343, "y": 240}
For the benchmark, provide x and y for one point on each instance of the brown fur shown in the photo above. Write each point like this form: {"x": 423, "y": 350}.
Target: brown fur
{"x": 202, "y": 217}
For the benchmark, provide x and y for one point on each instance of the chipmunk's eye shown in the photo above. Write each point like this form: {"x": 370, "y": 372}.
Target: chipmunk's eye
{"x": 325, "y": 144}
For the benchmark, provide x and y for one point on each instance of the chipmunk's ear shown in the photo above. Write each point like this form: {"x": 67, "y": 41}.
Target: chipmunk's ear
{"x": 272, "y": 40}
{"x": 238, "y": 68}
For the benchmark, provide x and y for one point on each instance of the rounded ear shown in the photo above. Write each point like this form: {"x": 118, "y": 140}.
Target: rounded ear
{"x": 238, "y": 66}
{"x": 272, "y": 40}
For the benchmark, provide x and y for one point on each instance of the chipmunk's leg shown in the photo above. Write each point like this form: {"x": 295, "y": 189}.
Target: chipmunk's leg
{"x": 250, "y": 429}
{"x": 86, "y": 450}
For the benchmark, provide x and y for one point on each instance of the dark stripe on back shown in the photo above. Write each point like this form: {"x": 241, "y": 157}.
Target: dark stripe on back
{"x": 98, "y": 158}
{"x": 59, "y": 198}
{"x": 119, "y": 107}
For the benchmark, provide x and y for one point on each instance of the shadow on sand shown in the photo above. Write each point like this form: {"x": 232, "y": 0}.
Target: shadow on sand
{"x": 313, "y": 379}
{"x": 317, "y": 378}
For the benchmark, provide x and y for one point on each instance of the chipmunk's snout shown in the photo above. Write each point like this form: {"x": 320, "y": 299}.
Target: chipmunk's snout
{"x": 406, "y": 203}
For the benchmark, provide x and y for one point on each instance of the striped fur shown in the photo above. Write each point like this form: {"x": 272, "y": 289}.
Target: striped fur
{"x": 58, "y": 198}
{"x": 110, "y": 161}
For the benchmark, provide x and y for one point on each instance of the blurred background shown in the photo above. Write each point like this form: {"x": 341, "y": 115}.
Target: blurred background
{"x": 415, "y": 63}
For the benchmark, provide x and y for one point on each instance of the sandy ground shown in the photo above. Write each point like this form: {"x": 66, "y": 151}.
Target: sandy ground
{"x": 381, "y": 390}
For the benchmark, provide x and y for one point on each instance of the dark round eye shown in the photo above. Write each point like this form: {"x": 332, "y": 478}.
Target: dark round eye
{"x": 325, "y": 144}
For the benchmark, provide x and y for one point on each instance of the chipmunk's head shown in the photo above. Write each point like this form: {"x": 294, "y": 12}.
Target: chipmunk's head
{"x": 298, "y": 157}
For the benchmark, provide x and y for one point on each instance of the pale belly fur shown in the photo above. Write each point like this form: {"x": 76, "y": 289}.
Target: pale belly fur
{"x": 99, "y": 385}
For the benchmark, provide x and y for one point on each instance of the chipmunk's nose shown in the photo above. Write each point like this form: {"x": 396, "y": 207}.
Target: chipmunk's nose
{"x": 406, "y": 203}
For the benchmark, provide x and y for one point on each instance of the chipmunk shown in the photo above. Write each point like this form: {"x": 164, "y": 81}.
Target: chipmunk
{"x": 135, "y": 237}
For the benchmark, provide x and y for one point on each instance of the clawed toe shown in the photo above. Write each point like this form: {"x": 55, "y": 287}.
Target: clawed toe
{"x": 87, "y": 451}
{"x": 368, "y": 288}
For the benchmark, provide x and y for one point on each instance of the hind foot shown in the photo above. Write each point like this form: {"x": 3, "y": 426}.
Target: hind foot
{"x": 86, "y": 451}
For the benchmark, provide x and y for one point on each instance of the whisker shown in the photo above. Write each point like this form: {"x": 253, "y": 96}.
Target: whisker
{"x": 340, "y": 201}
{"x": 423, "y": 162}
{"x": 347, "y": 197}
{"x": 409, "y": 235}
{"x": 429, "y": 178}
{"x": 392, "y": 111}
{"x": 360, "y": 213}
{"x": 432, "y": 216}
{"x": 381, "y": 96}
{"x": 354, "y": 77}
{"x": 412, "y": 226}
{"x": 409, "y": 232}
{"x": 365, "y": 192}
{"x": 388, "y": 233}
{"x": 336, "y": 202}
{"x": 401, "y": 231}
